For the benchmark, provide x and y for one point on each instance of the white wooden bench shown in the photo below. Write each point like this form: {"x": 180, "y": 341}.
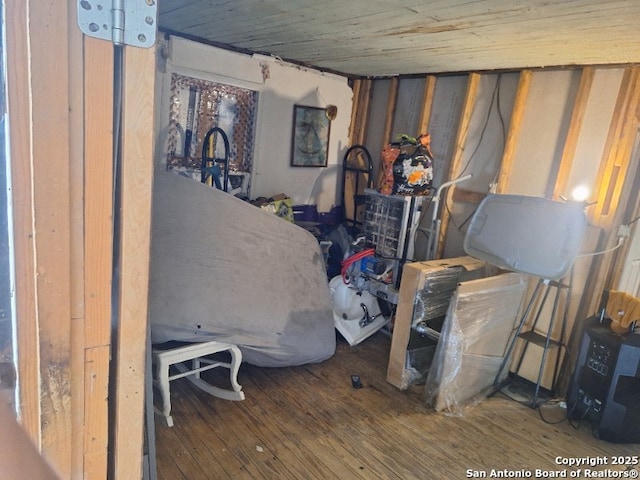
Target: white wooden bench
{"x": 190, "y": 362}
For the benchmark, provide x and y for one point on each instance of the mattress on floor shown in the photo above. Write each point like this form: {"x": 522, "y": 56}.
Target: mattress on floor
{"x": 223, "y": 269}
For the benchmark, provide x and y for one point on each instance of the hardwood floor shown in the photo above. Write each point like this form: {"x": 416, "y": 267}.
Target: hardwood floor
{"x": 308, "y": 422}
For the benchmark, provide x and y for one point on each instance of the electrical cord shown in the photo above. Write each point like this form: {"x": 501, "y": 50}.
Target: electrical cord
{"x": 633, "y": 221}
{"x": 601, "y": 252}
{"x": 584, "y": 415}
{"x": 549, "y": 422}
{"x": 346, "y": 263}
{"x": 495, "y": 100}
{"x": 495, "y": 94}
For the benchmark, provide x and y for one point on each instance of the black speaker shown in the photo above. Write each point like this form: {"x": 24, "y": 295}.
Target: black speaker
{"x": 605, "y": 387}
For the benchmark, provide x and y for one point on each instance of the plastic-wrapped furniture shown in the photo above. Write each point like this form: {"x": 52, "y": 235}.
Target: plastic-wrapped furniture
{"x": 473, "y": 342}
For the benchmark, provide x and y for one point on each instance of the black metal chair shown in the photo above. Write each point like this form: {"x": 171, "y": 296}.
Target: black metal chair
{"x": 353, "y": 164}
{"x": 210, "y": 165}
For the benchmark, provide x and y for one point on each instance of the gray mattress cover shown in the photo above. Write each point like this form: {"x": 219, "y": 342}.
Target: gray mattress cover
{"x": 223, "y": 269}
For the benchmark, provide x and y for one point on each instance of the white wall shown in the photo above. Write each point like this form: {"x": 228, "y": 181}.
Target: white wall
{"x": 280, "y": 86}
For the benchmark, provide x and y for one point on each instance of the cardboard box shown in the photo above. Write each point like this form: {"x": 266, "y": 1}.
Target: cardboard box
{"x": 429, "y": 286}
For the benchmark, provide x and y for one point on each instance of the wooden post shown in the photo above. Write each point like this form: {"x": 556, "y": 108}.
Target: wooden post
{"x": 427, "y": 104}
{"x": 61, "y": 136}
{"x": 461, "y": 138}
{"x": 20, "y": 120}
{"x": 77, "y": 267}
{"x": 571, "y": 142}
{"x": 506, "y": 166}
{"x": 615, "y": 165}
{"x": 38, "y": 90}
{"x": 391, "y": 110}
{"x": 355, "y": 105}
{"x": 360, "y": 111}
{"x": 617, "y": 151}
{"x": 98, "y": 246}
{"x": 135, "y": 227}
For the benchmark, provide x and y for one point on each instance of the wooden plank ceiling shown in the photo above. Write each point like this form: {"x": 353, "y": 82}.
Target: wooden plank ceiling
{"x": 377, "y": 38}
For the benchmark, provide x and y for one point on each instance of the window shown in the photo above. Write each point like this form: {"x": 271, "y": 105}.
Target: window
{"x": 198, "y": 105}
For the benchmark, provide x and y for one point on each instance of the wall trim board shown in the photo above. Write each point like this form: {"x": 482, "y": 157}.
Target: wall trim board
{"x": 225, "y": 63}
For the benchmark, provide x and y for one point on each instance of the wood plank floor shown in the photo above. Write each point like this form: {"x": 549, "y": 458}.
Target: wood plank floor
{"x": 308, "y": 422}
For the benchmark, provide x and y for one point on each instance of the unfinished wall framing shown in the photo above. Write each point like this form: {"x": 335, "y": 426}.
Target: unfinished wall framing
{"x": 565, "y": 128}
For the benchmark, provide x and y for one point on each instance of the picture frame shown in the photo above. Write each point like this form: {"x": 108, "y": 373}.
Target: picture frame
{"x": 310, "y": 139}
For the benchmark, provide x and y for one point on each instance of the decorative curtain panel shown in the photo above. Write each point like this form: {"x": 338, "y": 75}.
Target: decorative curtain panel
{"x": 199, "y": 105}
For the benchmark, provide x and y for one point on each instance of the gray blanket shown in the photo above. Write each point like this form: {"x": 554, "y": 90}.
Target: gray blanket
{"x": 223, "y": 269}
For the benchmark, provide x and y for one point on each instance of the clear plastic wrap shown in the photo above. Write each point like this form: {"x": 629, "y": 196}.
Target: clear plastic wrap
{"x": 474, "y": 338}
{"x": 433, "y": 299}
{"x": 425, "y": 292}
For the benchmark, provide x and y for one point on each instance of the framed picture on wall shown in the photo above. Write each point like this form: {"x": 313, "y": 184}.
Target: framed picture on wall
{"x": 311, "y": 127}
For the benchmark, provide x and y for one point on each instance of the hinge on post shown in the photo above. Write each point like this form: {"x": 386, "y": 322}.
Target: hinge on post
{"x": 124, "y": 22}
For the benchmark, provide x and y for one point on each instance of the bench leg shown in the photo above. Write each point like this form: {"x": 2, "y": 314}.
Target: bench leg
{"x": 236, "y": 393}
{"x": 162, "y": 376}
{"x": 236, "y": 360}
